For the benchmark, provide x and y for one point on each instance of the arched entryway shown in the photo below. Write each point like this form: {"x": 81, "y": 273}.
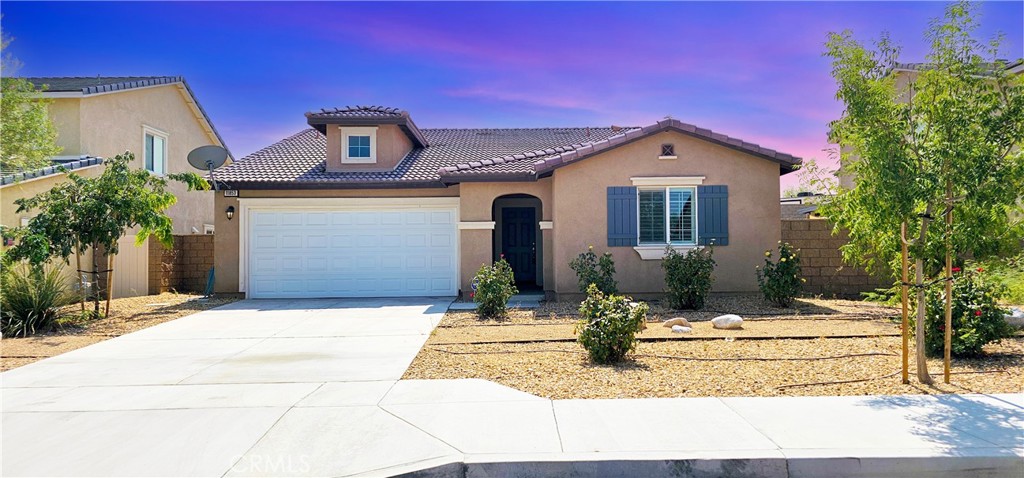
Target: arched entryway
{"x": 517, "y": 236}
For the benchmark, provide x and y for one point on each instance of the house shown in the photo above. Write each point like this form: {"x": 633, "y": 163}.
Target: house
{"x": 156, "y": 117}
{"x": 365, "y": 203}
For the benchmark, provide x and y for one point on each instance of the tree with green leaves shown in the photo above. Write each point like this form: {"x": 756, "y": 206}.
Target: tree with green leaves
{"x": 945, "y": 134}
{"x": 94, "y": 213}
{"x": 28, "y": 139}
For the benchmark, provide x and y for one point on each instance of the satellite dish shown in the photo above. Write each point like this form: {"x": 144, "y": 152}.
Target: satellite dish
{"x": 208, "y": 158}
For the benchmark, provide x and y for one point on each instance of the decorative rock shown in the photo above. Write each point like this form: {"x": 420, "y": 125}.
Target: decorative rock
{"x": 679, "y": 329}
{"x": 676, "y": 321}
{"x": 727, "y": 321}
{"x": 1016, "y": 318}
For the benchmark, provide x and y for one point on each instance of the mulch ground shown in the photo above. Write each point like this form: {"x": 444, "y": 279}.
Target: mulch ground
{"x": 126, "y": 315}
{"x": 779, "y": 352}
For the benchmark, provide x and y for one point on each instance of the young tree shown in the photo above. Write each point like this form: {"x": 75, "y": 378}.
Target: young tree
{"x": 949, "y": 135}
{"x": 93, "y": 213}
{"x": 28, "y": 138}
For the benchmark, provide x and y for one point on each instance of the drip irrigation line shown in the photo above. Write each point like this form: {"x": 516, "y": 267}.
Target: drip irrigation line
{"x": 839, "y": 382}
{"x": 766, "y": 359}
{"x": 677, "y": 357}
{"x": 681, "y": 338}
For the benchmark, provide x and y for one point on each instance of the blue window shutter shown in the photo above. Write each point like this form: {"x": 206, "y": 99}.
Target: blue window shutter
{"x": 621, "y": 216}
{"x": 713, "y": 215}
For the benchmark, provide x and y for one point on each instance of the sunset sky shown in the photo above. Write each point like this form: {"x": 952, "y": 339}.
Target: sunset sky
{"x": 750, "y": 70}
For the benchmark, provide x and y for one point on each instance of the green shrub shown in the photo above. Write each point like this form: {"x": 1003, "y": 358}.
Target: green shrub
{"x": 977, "y": 317}
{"x": 780, "y": 282}
{"x": 591, "y": 269}
{"x": 688, "y": 277}
{"x": 608, "y": 325}
{"x": 494, "y": 286}
{"x": 32, "y": 298}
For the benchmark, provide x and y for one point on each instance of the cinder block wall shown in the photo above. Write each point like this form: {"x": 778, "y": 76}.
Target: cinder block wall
{"x": 822, "y": 263}
{"x": 183, "y": 267}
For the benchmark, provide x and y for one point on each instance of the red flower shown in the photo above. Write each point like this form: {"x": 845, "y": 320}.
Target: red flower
{"x": 942, "y": 328}
{"x": 977, "y": 313}
{"x": 956, "y": 269}
{"x": 981, "y": 269}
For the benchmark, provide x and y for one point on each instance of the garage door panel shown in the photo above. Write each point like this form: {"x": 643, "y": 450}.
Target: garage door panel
{"x": 338, "y": 253}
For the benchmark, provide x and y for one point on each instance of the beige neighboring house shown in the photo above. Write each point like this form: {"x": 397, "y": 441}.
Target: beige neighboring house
{"x": 366, "y": 204}
{"x": 157, "y": 118}
{"x": 905, "y": 74}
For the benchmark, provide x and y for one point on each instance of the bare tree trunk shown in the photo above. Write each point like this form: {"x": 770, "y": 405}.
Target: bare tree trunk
{"x": 95, "y": 280}
{"x": 948, "y": 339}
{"x": 110, "y": 282}
{"x": 922, "y": 364}
{"x": 905, "y": 328}
{"x": 78, "y": 273}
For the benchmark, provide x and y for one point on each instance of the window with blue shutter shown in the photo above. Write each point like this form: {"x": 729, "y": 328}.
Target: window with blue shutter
{"x": 622, "y": 220}
{"x": 713, "y": 215}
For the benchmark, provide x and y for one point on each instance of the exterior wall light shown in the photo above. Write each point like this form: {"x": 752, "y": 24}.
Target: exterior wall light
{"x": 230, "y": 211}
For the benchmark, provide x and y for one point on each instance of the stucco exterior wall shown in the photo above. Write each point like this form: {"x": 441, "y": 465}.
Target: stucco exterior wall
{"x": 476, "y": 245}
{"x": 225, "y": 241}
{"x": 66, "y": 118}
{"x": 113, "y": 123}
{"x": 392, "y": 146}
{"x": 579, "y": 196}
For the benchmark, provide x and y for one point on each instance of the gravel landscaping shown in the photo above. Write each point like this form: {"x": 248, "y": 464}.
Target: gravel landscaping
{"x": 776, "y": 353}
{"x": 127, "y": 315}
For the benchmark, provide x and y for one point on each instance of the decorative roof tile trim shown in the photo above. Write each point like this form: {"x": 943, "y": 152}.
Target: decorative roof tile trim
{"x": 362, "y": 115}
{"x": 49, "y": 170}
{"x": 128, "y": 85}
{"x": 545, "y": 164}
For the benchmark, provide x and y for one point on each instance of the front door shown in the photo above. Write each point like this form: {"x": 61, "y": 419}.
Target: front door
{"x": 519, "y": 242}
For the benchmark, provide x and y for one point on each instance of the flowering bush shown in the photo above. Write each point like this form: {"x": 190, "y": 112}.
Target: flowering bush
{"x": 609, "y": 324}
{"x": 977, "y": 317}
{"x": 688, "y": 277}
{"x": 495, "y": 285}
{"x": 591, "y": 269}
{"x": 780, "y": 282}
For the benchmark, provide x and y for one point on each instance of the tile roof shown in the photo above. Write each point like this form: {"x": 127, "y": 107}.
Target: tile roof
{"x": 88, "y": 85}
{"x": 540, "y": 162}
{"x": 357, "y": 112}
{"x": 299, "y": 160}
{"x": 91, "y": 85}
{"x": 457, "y": 155}
{"x": 83, "y": 162}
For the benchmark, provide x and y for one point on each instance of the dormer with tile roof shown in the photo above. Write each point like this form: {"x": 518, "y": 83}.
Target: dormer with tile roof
{"x": 366, "y": 138}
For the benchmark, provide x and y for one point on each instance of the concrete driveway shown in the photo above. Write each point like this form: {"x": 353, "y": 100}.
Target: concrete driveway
{"x": 192, "y": 397}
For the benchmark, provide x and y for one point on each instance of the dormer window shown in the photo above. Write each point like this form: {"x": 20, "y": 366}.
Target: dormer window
{"x": 359, "y": 144}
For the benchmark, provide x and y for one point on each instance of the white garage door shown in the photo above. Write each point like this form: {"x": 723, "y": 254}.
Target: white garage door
{"x": 352, "y": 253}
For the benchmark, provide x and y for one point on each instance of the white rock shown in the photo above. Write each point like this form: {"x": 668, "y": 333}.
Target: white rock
{"x": 679, "y": 329}
{"x": 727, "y": 321}
{"x": 1016, "y": 318}
{"x": 676, "y": 321}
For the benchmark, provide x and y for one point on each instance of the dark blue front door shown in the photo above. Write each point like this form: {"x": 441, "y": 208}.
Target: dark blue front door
{"x": 519, "y": 242}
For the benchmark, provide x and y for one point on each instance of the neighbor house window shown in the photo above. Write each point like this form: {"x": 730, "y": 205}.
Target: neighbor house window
{"x": 359, "y": 145}
{"x": 667, "y": 216}
{"x": 155, "y": 147}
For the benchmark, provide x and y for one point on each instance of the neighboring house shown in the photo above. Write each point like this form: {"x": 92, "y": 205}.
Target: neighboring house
{"x": 801, "y": 206}
{"x": 365, "y": 203}
{"x": 157, "y": 118}
{"x": 905, "y": 74}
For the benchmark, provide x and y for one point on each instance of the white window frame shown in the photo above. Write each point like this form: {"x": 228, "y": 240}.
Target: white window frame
{"x": 347, "y": 131}
{"x": 668, "y": 218}
{"x": 156, "y": 133}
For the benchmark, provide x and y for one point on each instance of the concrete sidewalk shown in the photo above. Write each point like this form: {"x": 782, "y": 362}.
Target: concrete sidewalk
{"x": 311, "y": 388}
